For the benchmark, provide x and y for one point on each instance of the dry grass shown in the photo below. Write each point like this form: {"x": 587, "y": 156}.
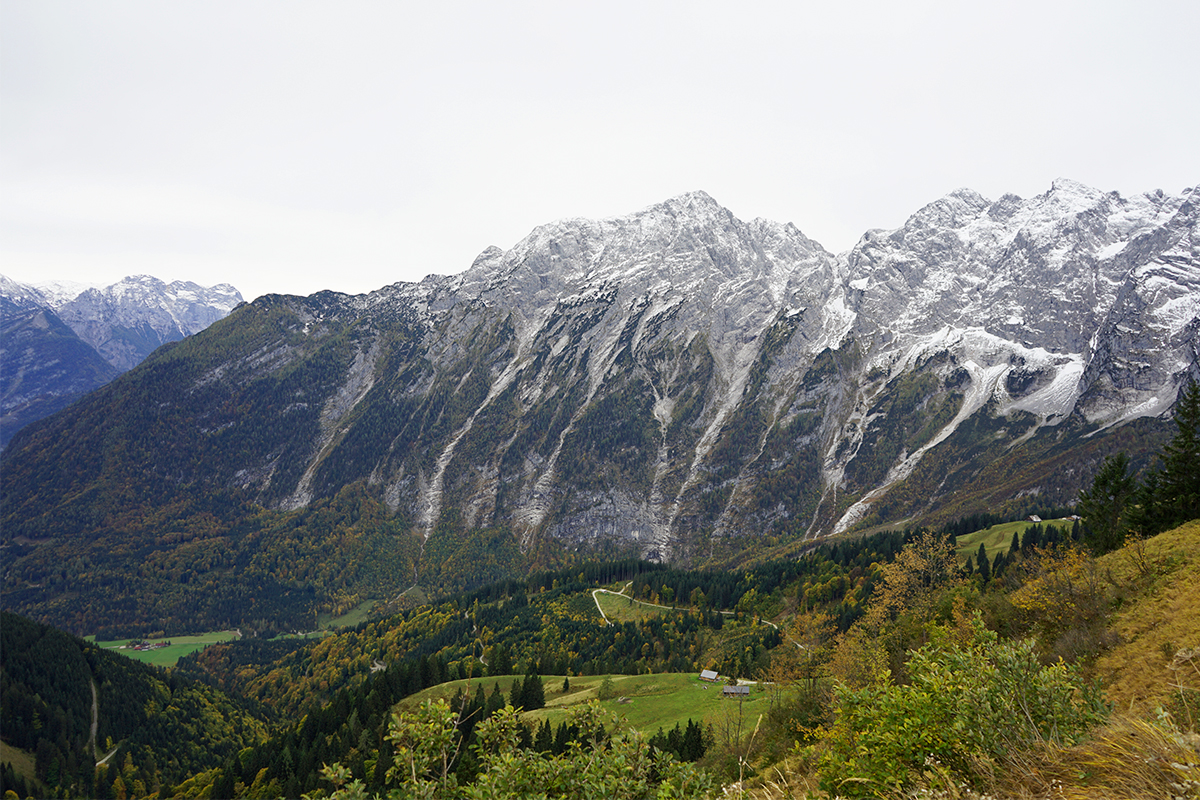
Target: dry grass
{"x": 1159, "y": 615}
{"x": 1130, "y": 758}
{"x": 791, "y": 779}
{"x": 1157, "y": 585}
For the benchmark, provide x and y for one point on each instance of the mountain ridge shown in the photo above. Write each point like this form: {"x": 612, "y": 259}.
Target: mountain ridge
{"x": 115, "y": 326}
{"x": 678, "y": 383}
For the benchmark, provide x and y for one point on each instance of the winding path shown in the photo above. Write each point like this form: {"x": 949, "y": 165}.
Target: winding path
{"x": 96, "y": 726}
{"x": 621, "y": 593}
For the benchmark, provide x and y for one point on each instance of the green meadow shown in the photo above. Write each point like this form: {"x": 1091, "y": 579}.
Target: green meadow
{"x": 644, "y": 702}
{"x": 179, "y": 647}
{"x": 360, "y": 613}
{"x": 998, "y": 538}
{"x": 625, "y": 609}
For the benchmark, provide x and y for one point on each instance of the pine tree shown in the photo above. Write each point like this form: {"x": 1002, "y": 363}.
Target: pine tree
{"x": 693, "y": 742}
{"x": 1103, "y": 505}
{"x": 480, "y": 701}
{"x": 1170, "y": 496}
{"x": 985, "y": 568}
{"x": 495, "y": 701}
{"x": 533, "y": 694}
{"x": 544, "y": 743}
{"x": 501, "y": 663}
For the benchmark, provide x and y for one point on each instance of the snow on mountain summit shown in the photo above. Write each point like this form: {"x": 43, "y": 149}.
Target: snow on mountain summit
{"x": 126, "y": 320}
{"x": 674, "y": 378}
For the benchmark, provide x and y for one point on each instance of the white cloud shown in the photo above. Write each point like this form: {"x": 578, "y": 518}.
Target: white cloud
{"x": 303, "y": 145}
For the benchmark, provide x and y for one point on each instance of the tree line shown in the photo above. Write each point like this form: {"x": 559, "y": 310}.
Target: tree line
{"x": 1119, "y": 503}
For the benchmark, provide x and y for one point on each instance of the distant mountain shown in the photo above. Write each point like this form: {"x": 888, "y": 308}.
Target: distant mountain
{"x": 128, "y": 320}
{"x": 676, "y": 383}
{"x": 60, "y": 340}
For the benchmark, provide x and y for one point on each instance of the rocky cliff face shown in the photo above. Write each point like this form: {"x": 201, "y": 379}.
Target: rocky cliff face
{"x": 685, "y": 384}
{"x": 678, "y": 375}
{"x": 128, "y": 320}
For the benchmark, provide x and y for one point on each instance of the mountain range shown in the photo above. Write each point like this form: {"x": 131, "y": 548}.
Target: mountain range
{"x": 60, "y": 340}
{"x": 677, "y": 384}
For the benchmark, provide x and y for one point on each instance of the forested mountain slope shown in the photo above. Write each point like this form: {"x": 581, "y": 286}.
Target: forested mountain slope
{"x": 44, "y": 366}
{"x": 73, "y": 705}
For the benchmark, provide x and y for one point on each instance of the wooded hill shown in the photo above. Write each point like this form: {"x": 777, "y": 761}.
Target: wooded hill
{"x": 330, "y": 701}
{"x": 70, "y": 705}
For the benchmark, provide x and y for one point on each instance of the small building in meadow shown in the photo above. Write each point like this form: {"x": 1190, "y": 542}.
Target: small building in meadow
{"x": 709, "y": 675}
{"x": 737, "y": 692}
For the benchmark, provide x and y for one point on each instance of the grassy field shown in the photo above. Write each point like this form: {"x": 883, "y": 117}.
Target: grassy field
{"x": 622, "y": 609}
{"x": 999, "y": 537}
{"x": 167, "y": 656}
{"x": 1158, "y": 585}
{"x": 183, "y": 645}
{"x": 23, "y": 763}
{"x": 352, "y": 617}
{"x": 650, "y": 701}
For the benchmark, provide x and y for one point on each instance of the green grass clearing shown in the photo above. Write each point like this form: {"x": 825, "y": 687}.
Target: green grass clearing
{"x": 659, "y": 700}
{"x": 998, "y": 538}
{"x": 624, "y": 609}
{"x": 359, "y": 613}
{"x": 23, "y": 762}
{"x": 179, "y": 647}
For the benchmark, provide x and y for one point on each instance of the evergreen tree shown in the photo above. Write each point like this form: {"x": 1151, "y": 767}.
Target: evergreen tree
{"x": 1170, "y": 496}
{"x": 1033, "y": 537}
{"x": 1103, "y": 506}
{"x": 693, "y": 742}
{"x": 1181, "y": 457}
{"x": 985, "y": 568}
{"x": 544, "y": 743}
{"x": 495, "y": 701}
{"x": 533, "y": 694}
{"x": 501, "y": 663}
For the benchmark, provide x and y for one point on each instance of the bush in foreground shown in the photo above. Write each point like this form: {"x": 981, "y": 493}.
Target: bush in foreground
{"x": 971, "y": 701}
{"x": 623, "y": 767}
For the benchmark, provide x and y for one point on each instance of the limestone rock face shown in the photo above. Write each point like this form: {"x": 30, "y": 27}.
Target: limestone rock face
{"x": 128, "y": 320}
{"x": 681, "y": 383}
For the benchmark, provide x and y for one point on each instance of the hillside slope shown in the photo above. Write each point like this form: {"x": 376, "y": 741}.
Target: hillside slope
{"x": 1158, "y": 617}
{"x": 44, "y": 367}
{"x": 74, "y": 705}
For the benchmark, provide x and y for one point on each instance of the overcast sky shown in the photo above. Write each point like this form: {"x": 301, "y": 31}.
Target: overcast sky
{"x": 297, "y": 146}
